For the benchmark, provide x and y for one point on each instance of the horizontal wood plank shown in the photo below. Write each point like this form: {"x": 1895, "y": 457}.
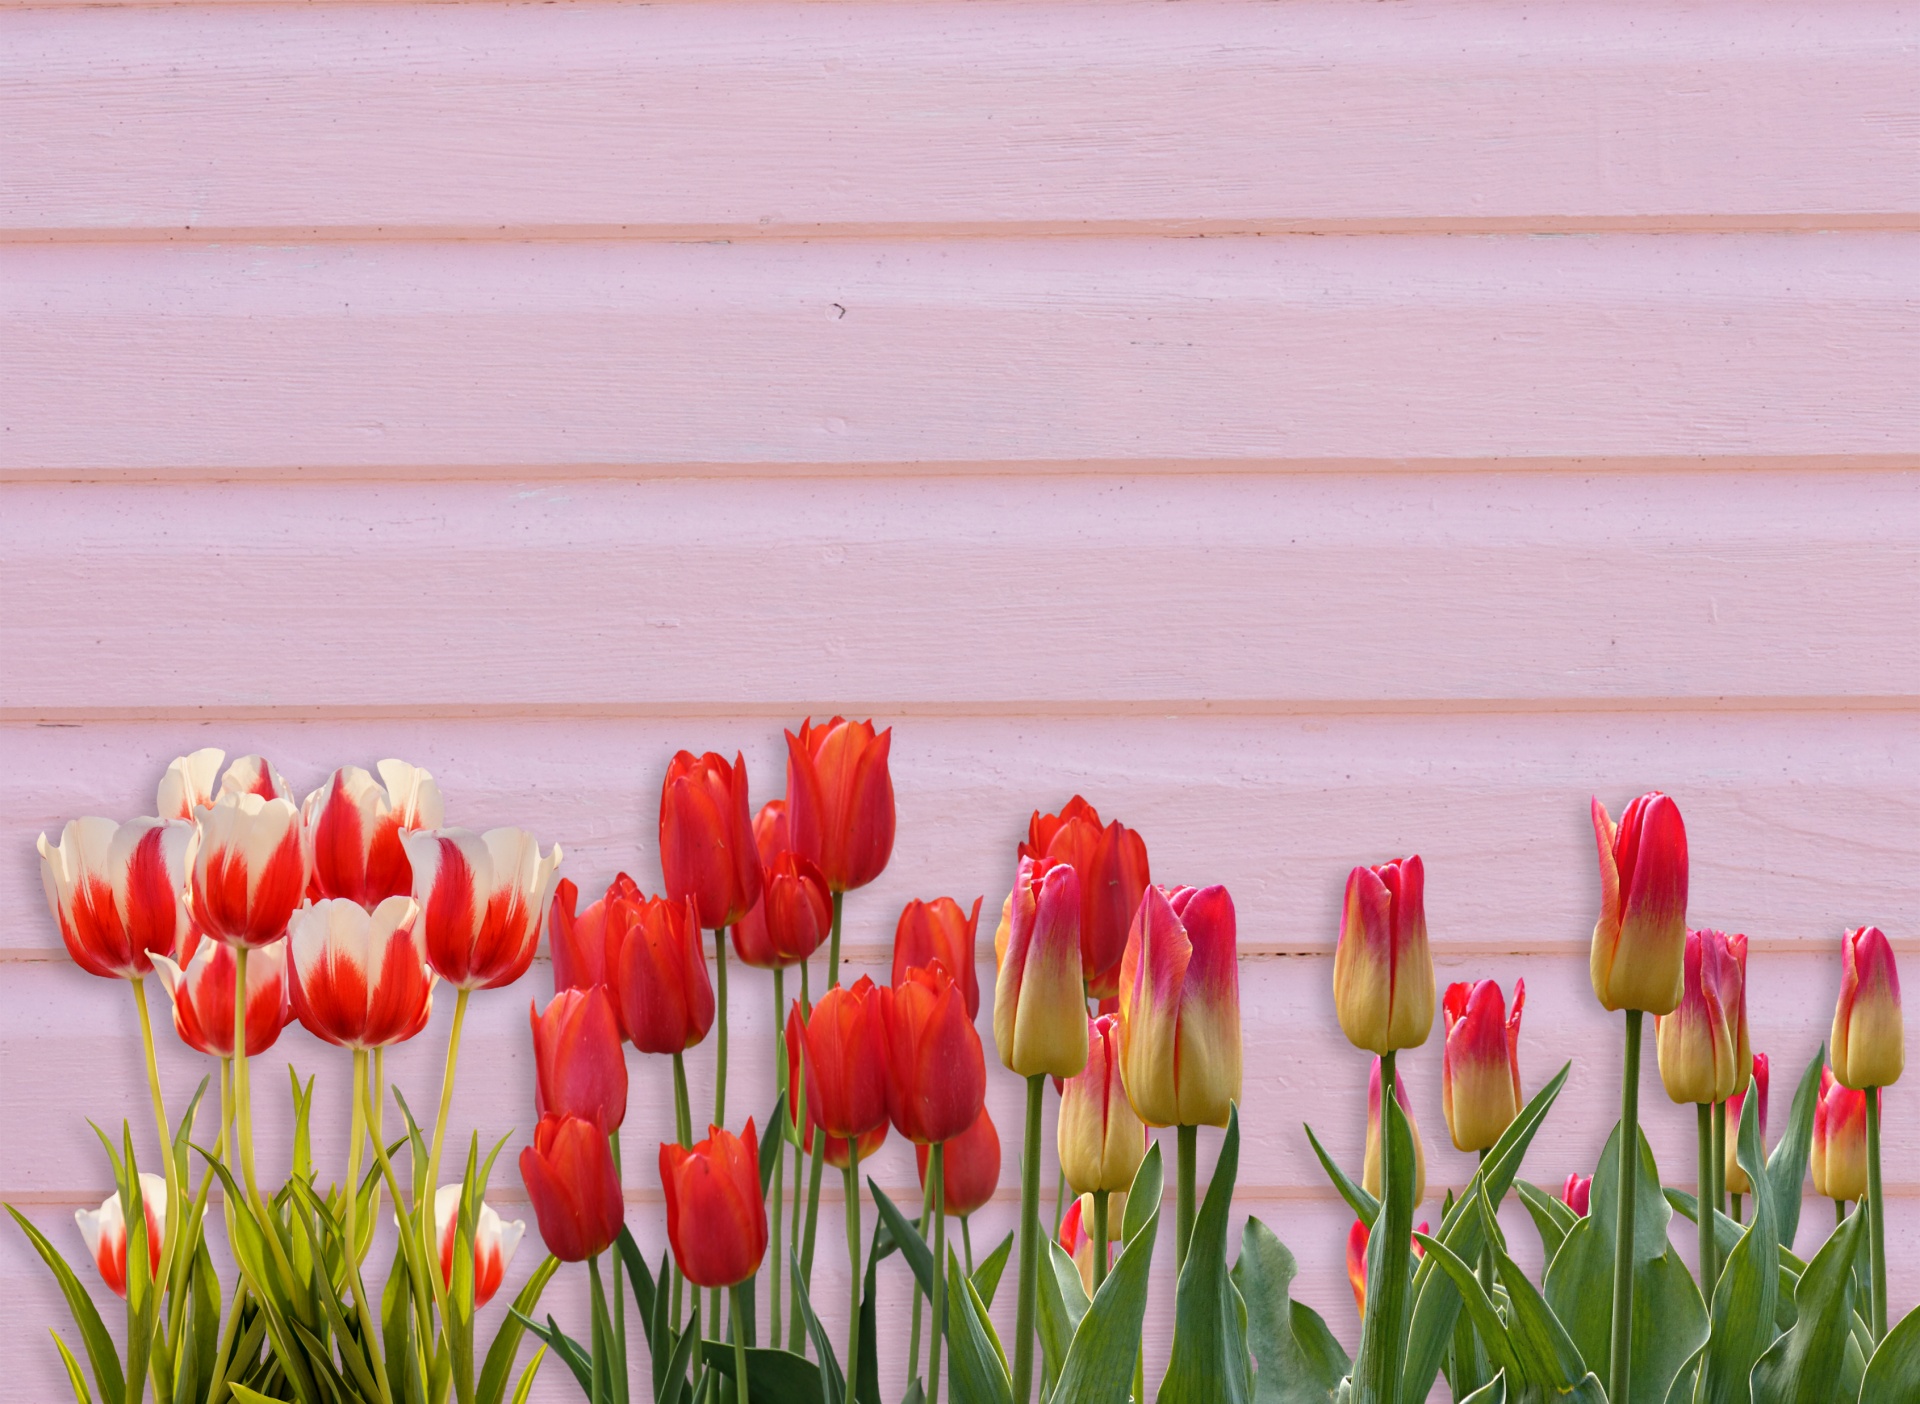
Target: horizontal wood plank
{"x": 749, "y": 119}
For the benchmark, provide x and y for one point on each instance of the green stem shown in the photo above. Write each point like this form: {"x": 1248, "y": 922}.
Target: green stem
{"x": 796, "y": 1336}
{"x": 1060, "y": 1198}
{"x": 740, "y": 1344}
{"x": 1029, "y": 1245}
{"x": 619, "y": 1281}
{"x": 377, "y": 1116}
{"x": 833, "y": 942}
{"x": 1703, "y": 1208}
{"x": 966, "y": 1239}
{"x": 171, "y": 1221}
{"x": 1839, "y": 1212}
{"x": 446, "y": 1096}
{"x": 1188, "y": 1157}
{"x": 1487, "y": 1271}
{"x": 350, "y": 1216}
{"x": 720, "y": 1026}
{"x": 421, "y": 1277}
{"x": 1099, "y": 1239}
{"x": 926, "y": 1219}
{"x": 601, "y": 1337}
{"x": 1738, "y": 1216}
{"x": 1876, "y": 1216}
{"x": 1620, "y": 1372}
{"x": 683, "y": 1132}
{"x": 819, "y": 1142}
{"x": 853, "y": 1260}
{"x": 1720, "y": 1159}
{"x": 778, "y": 1270}
{"x": 937, "y": 1177}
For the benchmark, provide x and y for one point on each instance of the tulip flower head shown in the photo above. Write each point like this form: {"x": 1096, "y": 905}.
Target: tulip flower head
{"x": 944, "y": 931}
{"x": 252, "y": 775}
{"x": 189, "y": 784}
{"x": 115, "y": 890}
{"x": 1382, "y": 968}
{"x": 248, "y": 868}
{"x": 105, "y": 1231}
{"x": 1577, "y": 1193}
{"x": 707, "y": 850}
{"x": 1039, "y": 999}
{"x": 575, "y": 1189}
{"x": 1697, "y": 1042}
{"x": 494, "y": 1243}
{"x": 1640, "y": 939}
{"x": 970, "y": 1169}
{"x": 578, "y": 940}
{"x": 844, "y": 1045}
{"x": 1370, "y": 1171}
{"x": 936, "y": 1069}
{"x": 840, "y": 800}
{"x": 1076, "y": 1234}
{"x": 580, "y": 1067}
{"x": 1869, "y": 1043}
{"x": 716, "y": 1215}
{"x": 1737, "y": 1181}
{"x": 483, "y": 900}
{"x": 1111, "y": 863}
{"x": 657, "y": 974}
{"x": 1358, "y": 1237}
{"x": 359, "y": 979}
{"x": 1839, "y": 1139}
{"x": 352, "y": 827}
{"x": 1480, "y": 1070}
{"x": 837, "y": 1151}
{"x": 1179, "y": 1015}
{"x": 792, "y": 919}
{"x": 202, "y": 994}
{"x": 1101, "y": 1139}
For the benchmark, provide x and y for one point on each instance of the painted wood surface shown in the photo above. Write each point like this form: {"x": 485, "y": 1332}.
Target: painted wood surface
{"x": 531, "y": 391}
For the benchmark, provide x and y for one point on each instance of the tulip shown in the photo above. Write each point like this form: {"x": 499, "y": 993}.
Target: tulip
{"x": 972, "y": 1170}
{"x": 1839, "y": 1140}
{"x": 1697, "y": 1042}
{"x": 1179, "y": 1022}
{"x": 494, "y": 1243}
{"x": 657, "y": 974}
{"x": 1111, "y": 863}
{"x": 1480, "y": 1069}
{"x": 845, "y": 1047}
{"x": 359, "y": 979}
{"x": 840, "y": 800}
{"x": 1382, "y": 969}
{"x": 202, "y": 994}
{"x": 251, "y": 775}
{"x": 188, "y": 784}
{"x": 483, "y": 899}
{"x": 115, "y": 890}
{"x": 1577, "y": 1193}
{"x": 578, "y": 943}
{"x": 936, "y": 1069}
{"x": 105, "y": 1231}
{"x": 1039, "y": 998}
{"x": 1357, "y": 1239}
{"x": 838, "y": 1151}
{"x": 352, "y": 828}
{"x": 707, "y": 850}
{"x": 1077, "y": 1233}
{"x": 1102, "y": 1141}
{"x": 580, "y": 1069}
{"x": 1639, "y": 942}
{"x": 248, "y": 868}
{"x": 940, "y": 930}
{"x": 716, "y": 1219}
{"x": 575, "y": 1189}
{"x": 1370, "y": 1172}
{"x": 1737, "y": 1181}
{"x": 792, "y": 919}
{"x": 1869, "y": 1038}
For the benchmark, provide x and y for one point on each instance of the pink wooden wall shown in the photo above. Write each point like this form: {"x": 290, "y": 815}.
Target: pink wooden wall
{"x": 1312, "y": 430}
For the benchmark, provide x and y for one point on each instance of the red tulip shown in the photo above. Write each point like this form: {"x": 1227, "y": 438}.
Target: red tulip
{"x": 1577, "y": 1193}
{"x": 580, "y": 1068}
{"x": 189, "y": 784}
{"x": 793, "y": 917}
{"x": 1383, "y": 967}
{"x": 1101, "y": 1139}
{"x": 1357, "y": 1239}
{"x": 1737, "y": 1181}
{"x": 105, "y": 1230}
{"x": 845, "y": 1048}
{"x": 971, "y": 1171}
{"x": 494, "y": 1243}
{"x": 578, "y": 944}
{"x": 1370, "y": 1164}
{"x": 1039, "y": 995}
{"x": 840, "y": 800}
{"x": 359, "y": 979}
{"x": 116, "y": 890}
{"x": 483, "y": 899}
{"x": 1639, "y": 942}
{"x": 202, "y": 994}
{"x": 1480, "y": 1067}
{"x": 1839, "y": 1140}
{"x": 707, "y": 852}
{"x": 836, "y": 1151}
{"x": 1076, "y": 1236}
{"x": 716, "y": 1214}
{"x": 940, "y": 930}
{"x": 657, "y": 974}
{"x": 1869, "y": 1043}
{"x": 352, "y": 830}
{"x": 1180, "y": 1008}
{"x": 1111, "y": 862}
{"x": 575, "y": 1189}
{"x": 936, "y": 1069}
{"x": 1697, "y": 1041}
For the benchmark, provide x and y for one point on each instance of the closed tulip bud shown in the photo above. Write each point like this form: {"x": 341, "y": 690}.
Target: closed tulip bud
{"x": 1101, "y": 1139}
{"x": 1179, "y": 1018}
{"x": 792, "y": 919}
{"x": 1869, "y": 1043}
{"x": 707, "y": 852}
{"x": 1480, "y": 1070}
{"x": 716, "y": 1215}
{"x": 352, "y": 827}
{"x": 1370, "y": 1171}
{"x": 1039, "y": 999}
{"x": 1111, "y": 863}
{"x": 1382, "y": 968}
{"x": 1639, "y": 942}
{"x": 1357, "y": 1239}
{"x": 970, "y": 1170}
{"x": 1737, "y": 1005}
{"x": 936, "y": 1069}
{"x": 105, "y": 1231}
{"x": 359, "y": 979}
{"x": 578, "y": 940}
{"x": 1737, "y": 1181}
{"x": 837, "y": 1151}
{"x": 115, "y": 890}
{"x": 189, "y": 784}
{"x": 1076, "y": 1236}
{"x": 940, "y": 930}
{"x": 1577, "y": 1193}
{"x": 580, "y": 1068}
{"x": 1696, "y": 1041}
{"x": 494, "y": 1243}
{"x": 575, "y": 1189}
{"x": 483, "y": 901}
{"x": 252, "y": 775}
{"x": 840, "y": 800}
{"x": 657, "y": 974}
{"x": 1839, "y": 1140}
{"x": 202, "y": 994}
{"x": 845, "y": 1050}
{"x": 248, "y": 868}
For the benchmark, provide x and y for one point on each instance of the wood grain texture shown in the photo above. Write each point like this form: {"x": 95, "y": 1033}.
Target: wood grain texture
{"x": 751, "y": 119}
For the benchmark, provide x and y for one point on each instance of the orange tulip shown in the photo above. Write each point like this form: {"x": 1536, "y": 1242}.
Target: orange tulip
{"x": 1639, "y": 942}
{"x": 1869, "y": 1043}
{"x": 936, "y": 1069}
{"x": 1370, "y": 1170}
{"x": 1382, "y": 967}
{"x": 248, "y": 869}
{"x": 1101, "y": 1139}
{"x": 1480, "y": 1069}
{"x": 657, "y": 974}
{"x": 483, "y": 900}
{"x": 707, "y": 852}
{"x": 939, "y": 930}
{"x": 1179, "y": 1018}
{"x": 580, "y": 1068}
{"x": 352, "y": 825}
{"x": 1111, "y": 863}
{"x": 793, "y": 917}
{"x": 716, "y": 1215}
{"x": 1839, "y": 1139}
{"x": 202, "y": 994}
{"x": 845, "y": 1049}
{"x": 575, "y": 1189}
{"x": 105, "y": 1230}
{"x": 1737, "y": 1181}
{"x": 115, "y": 890}
{"x": 840, "y": 800}
{"x": 972, "y": 1170}
{"x": 1697, "y": 1041}
{"x": 1039, "y": 998}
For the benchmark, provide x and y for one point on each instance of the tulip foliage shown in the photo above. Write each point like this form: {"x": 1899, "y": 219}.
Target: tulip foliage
{"x": 368, "y": 1282}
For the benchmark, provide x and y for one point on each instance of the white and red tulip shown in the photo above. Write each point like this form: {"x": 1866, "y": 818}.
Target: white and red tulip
{"x": 248, "y": 869}
{"x": 202, "y": 994}
{"x": 105, "y": 1230}
{"x": 352, "y": 827}
{"x": 359, "y": 979}
{"x": 494, "y": 1243}
{"x": 115, "y": 890}
{"x": 483, "y": 901}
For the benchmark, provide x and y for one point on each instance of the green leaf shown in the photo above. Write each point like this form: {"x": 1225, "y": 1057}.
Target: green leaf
{"x": 1378, "y": 1366}
{"x": 1787, "y": 1166}
{"x": 1551, "y": 1216}
{"x": 833, "y": 1385}
{"x": 102, "y": 1356}
{"x": 75, "y": 1380}
{"x": 570, "y": 1351}
{"x": 1745, "y": 1298}
{"x": 772, "y": 1138}
{"x": 1143, "y": 1195}
{"x": 912, "y": 1246}
{"x": 1209, "y": 1356}
{"x": 1805, "y": 1365}
{"x": 776, "y": 1376}
{"x": 640, "y": 1276}
{"x": 986, "y": 1275}
{"x": 1099, "y": 1365}
{"x": 976, "y": 1366}
{"x": 1365, "y": 1207}
{"x": 1062, "y": 1301}
{"x": 506, "y": 1341}
{"x": 524, "y": 1389}
{"x": 1291, "y": 1371}
{"x": 1893, "y": 1374}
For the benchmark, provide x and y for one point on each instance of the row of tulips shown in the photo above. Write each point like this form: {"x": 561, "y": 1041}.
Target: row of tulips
{"x": 346, "y": 911}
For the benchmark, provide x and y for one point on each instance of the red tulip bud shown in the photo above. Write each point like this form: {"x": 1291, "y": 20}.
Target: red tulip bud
{"x": 716, "y": 1217}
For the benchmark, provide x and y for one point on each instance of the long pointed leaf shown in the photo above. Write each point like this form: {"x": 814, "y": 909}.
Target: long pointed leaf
{"x": 1209, "y": 1356}
{"x": 1787, "y": 1166}
{"x": 102, "y": 1356}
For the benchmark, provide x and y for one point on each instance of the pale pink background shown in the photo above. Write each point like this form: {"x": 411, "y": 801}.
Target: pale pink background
{"x": 1312, "y": 430}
